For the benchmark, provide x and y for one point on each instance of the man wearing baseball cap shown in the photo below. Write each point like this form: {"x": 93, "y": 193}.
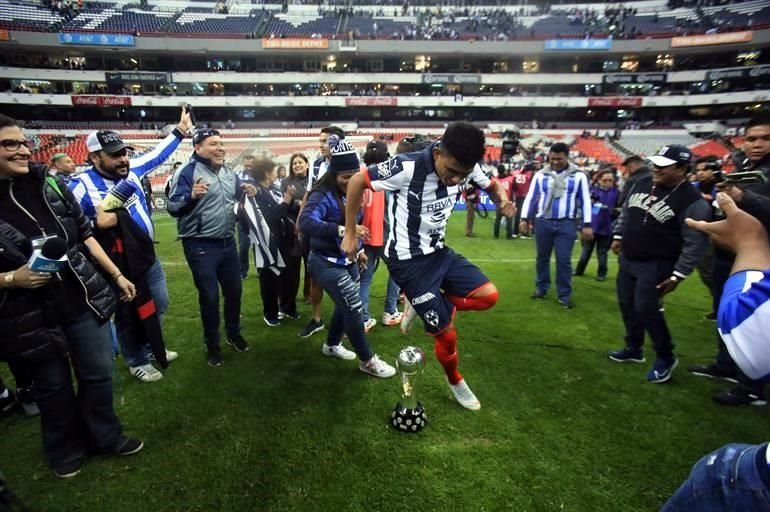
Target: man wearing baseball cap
{"x": 110, "y": 165}
{"x": 656, "y": 251}
{"x": 62, "y": 166}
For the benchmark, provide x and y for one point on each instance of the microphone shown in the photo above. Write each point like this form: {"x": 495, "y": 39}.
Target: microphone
{"x": 51, "y": 257}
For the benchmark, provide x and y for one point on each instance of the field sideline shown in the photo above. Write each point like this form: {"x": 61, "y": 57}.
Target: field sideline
{"x": 281, "y": 428}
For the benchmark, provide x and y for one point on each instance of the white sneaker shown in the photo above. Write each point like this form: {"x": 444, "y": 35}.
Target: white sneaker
{"x": 465, "y": 396}
{"x": 145, "y": 373}
{"x": 171, "y": 355}
{"x": 337, "y": 351}
{"x": 391, "y": 318}
{"x": 407, "y": 319}
{"x": 369, "y": 324}
{"x": 377, "y": 367}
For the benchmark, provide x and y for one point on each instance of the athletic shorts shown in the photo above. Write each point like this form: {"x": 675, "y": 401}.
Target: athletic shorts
{"x": 426, "y": 279}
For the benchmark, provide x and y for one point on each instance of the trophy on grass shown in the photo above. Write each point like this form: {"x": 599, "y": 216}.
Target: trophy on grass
{"x": 409, "y": 415}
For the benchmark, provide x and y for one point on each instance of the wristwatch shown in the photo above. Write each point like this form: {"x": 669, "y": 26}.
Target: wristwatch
{"x": 8, "y": 278}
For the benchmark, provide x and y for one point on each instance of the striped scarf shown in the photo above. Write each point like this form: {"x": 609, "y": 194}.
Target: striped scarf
{"x": 266, "y": 251}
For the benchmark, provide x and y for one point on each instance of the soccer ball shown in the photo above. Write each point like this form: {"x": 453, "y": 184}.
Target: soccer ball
{"x": 408, "y": 421}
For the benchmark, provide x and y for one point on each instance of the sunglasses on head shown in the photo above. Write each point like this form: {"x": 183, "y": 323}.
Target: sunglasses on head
{"x": 15, "y": 145}
{"x": 119, "y": 153}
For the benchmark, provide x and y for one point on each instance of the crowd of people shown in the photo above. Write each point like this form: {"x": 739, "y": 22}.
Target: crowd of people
{"x": 329, "y": 217}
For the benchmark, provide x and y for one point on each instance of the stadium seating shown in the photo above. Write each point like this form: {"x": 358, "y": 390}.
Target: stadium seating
{"x": 597, "y": 149}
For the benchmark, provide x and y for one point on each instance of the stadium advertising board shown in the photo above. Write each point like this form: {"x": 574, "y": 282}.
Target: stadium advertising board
{"x": 709, "y": 39}
{"x": 133, "y": 76}
{"x": 371, "y": 101}
{"x": 748, "y": 72}
{"x": 295, "y": 43}
{"x": 635, "y": 78}
{"x": 578, "y": 44}
{"x": 5, "y": 35}
{"x": 450, "y": 78}
{"x": 100, "y": 101}
{"x": 97, "y": 39}
{"x": 615, "y": 101}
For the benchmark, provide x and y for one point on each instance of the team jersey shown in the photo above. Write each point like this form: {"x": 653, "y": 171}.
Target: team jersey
{"x": 419, "y": 205}
{"x": 316, "y": 172}
{"x": 507, "y": 184}
{"x": 521, "y": 181}
{"x": 744, "y": 321}
{"x": 90, "y": 187}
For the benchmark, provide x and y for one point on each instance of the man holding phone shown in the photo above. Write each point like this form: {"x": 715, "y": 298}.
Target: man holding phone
{"x": 202, "y": 197}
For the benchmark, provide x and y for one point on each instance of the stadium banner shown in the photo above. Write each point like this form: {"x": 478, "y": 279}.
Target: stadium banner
{"x": 371, "y": 101}
{"x": 635, "y": 78}
{"x": 710, "y": 39}
{"x": 752, "y": 72}
{"x": 295, "y": 43}
{"x": 100, "y": 101}
{"x": 578, "y": 44}
{"x": 615, "y": 101}
{"x": 484, "y": 200}
{"x": 451, "y": 78}
{"x": 119, "y": 77}
{"x": 97, "y": 39}
{"x": 5, "y": 35}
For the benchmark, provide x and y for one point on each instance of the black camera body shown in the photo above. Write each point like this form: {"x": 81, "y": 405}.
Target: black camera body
{"x": 738, "y": 178}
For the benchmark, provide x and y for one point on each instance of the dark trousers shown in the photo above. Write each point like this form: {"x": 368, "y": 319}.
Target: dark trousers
{"x": 73, "y": 422}
{"x": 519, "y": 203}
{"x": 244, "y": 245}
{"x": 214, "y": 263}
{"x": 508, "y": 225}
{"x": 640, "y": 303}
{"x": 723, "y": 263}
{"x": 602, "y": 244}
{"x": 22, "y": 374}
{"x": 290, "y": 284}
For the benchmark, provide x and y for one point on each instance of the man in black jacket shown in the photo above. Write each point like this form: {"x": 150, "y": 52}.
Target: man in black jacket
{"x": 657, "y": 251}
{"x": 752, "y": 199}
{"x": 57, "y": 322}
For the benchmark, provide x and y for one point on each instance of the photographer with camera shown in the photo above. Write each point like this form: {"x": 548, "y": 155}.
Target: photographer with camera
{"x": 749, "y": 189}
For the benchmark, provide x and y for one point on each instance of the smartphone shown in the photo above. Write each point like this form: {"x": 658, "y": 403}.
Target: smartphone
{"x": 188, "y": 108}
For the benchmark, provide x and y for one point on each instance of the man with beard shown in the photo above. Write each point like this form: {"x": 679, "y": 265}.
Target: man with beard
{"x": 110, "y": 166}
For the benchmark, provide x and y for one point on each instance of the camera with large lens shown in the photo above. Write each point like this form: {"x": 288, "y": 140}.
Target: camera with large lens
{"x": 510, "y": 145}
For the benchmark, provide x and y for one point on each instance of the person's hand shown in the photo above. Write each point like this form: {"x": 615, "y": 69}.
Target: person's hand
{"x": 616, "y": 246}
{"x": 127, "y": 289}
{"x": 362, "y": 232}
{"x": 507, "y": 208}
{"x": 24, "y": 277}
{"x": 737, "y": 229}
{"x": 524, "y": 227}
{"x": 349, "y": 246}
{"x": 363, "y": 261}
{"x": 708, "y": 198}
{"x": 667, "y": 286}
{"x": 736, "y": 193}
{"x": 105, "y": 220}
{"x": 199, "y": 189}
{"x": 185, "y": 123}
{"x": 288, "y": 195}
{"x": 249, "y": 189}
{"x": 587, "y": 234}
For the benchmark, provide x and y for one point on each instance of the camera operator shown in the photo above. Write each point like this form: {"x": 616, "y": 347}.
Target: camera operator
{"x": 705, "y": 182}
{"x": 736, "y": 476}
{"x": 750, "y": 197}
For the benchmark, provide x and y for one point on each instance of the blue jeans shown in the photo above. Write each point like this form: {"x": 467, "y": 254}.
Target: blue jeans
{"x": 560, "y": 235}
{"x": 341, "y": 283}
{"x": 137, "y": 352}
{"x": 724, "y": 480}
{"x": 214, "y": 263}
{"x": 367, "y": 275}
{"x": 74, "y": 424}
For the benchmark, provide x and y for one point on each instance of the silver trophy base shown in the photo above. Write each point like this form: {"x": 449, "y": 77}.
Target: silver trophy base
{"x": 409, "y": 421}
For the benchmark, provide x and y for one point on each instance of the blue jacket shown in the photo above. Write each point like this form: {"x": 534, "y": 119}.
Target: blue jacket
{"x": 211, "y": 215}
{"x": 604, "y": 203}
{"x": 321, "y": 220}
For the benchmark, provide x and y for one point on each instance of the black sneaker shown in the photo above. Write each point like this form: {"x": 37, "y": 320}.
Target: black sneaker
{"x": 601, "y": 278}
{"x": 214, "y": 358}
{"x": 740, "y": 395}
{"x": 710, "y": 316}
{"x": 291, "y": 316}
{"x": 69, "y": 469}
{"x": 538, "y": 295}
{"x": 128, "y": 446}
{"x": 712, "y": 371}
{"x": 8, "y": 403}
{"x": 311, "y": 328}
{"x": 567, "y": 304}
{"x": 238, "y": 343}
{"x": 627, "y": 355}
{"x": 272, "y": 322}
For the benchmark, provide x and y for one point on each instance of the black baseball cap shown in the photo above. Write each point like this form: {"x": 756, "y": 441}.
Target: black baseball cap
{"x": 203, "y": 134}
{"x": 107, "y": 141}
{"x": 670, "y": 155}
{"x": 376, "y": 152}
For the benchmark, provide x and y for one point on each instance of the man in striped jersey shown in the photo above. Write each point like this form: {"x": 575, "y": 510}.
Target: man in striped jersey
{"x": 559, "y": 202}
{"x": 110, "y": 165}
{"x": 425, "y": 186}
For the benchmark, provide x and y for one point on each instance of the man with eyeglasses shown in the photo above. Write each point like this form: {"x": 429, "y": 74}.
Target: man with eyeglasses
{"x": 110, "y": 165}
{"x": 657, "y": 250}
{"x": 203, "y": 197}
